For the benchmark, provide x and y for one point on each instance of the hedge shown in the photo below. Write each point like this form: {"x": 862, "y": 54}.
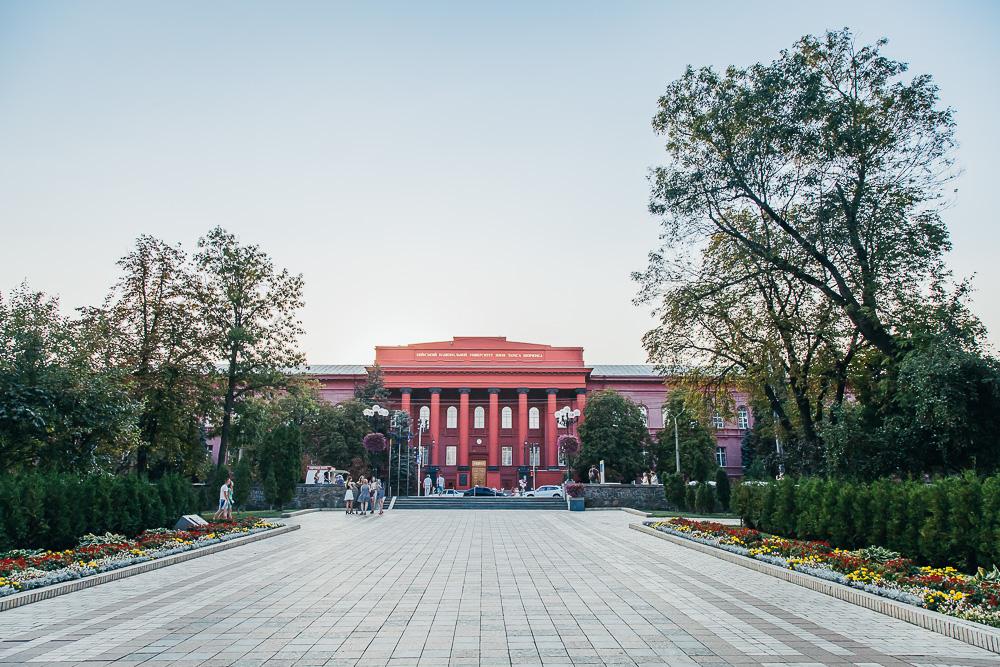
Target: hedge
{"x": 952, "y": 521}
{"x": 52, "y": 511}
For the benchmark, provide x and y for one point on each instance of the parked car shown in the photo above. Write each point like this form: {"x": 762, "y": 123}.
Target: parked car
{"x": 452, "y": 493}
{"x": 547, "y": 491}
{"x": 481, "y": 491}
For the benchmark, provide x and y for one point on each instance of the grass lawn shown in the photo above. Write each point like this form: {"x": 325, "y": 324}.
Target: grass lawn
{"x": 262, "y": 514}
{"x": 720, "y": 515}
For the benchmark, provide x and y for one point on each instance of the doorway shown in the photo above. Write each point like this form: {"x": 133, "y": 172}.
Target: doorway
{"x": 478, "y": 472}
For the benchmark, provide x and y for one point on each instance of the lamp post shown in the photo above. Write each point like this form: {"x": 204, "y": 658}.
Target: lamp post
{"x": 566, "y": 418}
{"x": 422, "y": 426}
{"x": 677, "y": 441}
{"x": 530, "y": 449}
{"x": 373, "y": 414}
{"x": 401, "y": 425}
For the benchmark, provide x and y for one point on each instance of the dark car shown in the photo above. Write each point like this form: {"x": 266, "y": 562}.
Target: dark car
{"x": 481, "y": 491}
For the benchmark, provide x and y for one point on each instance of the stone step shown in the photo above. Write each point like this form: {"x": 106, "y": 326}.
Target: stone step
{"x": 480, "y": 503}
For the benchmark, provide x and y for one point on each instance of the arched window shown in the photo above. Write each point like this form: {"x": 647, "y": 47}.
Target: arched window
{"x": 479, "y": 417}
{"x": 533, "y": 418}
{"x": 507, "y": 418}
{"x": 425, "y": 415}
{"x": 645, "y": 415}
{"x": 452, "y": 417}
{"x": 743, "y": 417}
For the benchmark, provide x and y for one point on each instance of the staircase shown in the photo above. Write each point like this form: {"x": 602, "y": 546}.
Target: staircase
{"x": 478, "y": 503}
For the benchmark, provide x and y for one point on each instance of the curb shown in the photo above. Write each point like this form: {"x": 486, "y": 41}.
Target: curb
{"x": 975, "y": 634}
{"x": 48, "y": 592}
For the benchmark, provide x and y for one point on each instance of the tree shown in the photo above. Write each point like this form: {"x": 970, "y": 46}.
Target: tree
{"x": 824, "y": 165}
{"x": 280, "y": 462}
{"x": 696, "y": 443}
{"x": 155, "y": 338}
{"x": 249, "y": 310}
{"x": 613, "y": 430}
{"x": 60, "y": 407}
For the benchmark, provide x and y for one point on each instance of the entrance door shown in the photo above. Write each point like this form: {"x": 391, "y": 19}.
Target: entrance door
{"x": 478, "y": 472}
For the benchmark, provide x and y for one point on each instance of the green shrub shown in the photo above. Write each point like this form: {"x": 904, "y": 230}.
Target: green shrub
{"x": 722, "y": 488}
{"x": 965, "y": 520}
{"x": 989, "y": 529}
{"x": 704, "y": 500}
{"x": 935, "y": 534}
{"x": 689, "y": 497}
{"x": 673, "y": 489}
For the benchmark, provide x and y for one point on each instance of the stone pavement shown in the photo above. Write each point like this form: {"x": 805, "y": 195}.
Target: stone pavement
{"x": 464, "y": 588}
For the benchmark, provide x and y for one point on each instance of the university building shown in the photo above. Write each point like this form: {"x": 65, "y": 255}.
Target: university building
{"x": 490, "y": 404}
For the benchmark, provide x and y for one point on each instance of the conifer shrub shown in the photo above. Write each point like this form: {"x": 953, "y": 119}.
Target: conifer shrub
{"x": 704, "y": 500}
{"x": 673, "y": 489}
{"x": 689, "y": 497}
{"x": 722, "y": 489}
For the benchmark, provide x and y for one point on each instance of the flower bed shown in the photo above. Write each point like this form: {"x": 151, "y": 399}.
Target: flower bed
{"x": 26, "y": 569}
{"x": 874, "y": 569}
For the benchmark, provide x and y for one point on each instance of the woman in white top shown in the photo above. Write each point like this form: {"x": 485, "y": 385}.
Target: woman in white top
{"x": 349, "y": 498}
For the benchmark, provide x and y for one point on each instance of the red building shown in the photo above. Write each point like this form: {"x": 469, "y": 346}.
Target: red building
{"x": 489, "y": 404}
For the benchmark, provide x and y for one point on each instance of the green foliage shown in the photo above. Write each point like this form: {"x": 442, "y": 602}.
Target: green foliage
{"x": 242, "y": 482}
{"x": 612, "y": 430}
{"x": 690, "y": 497}
{"x": 704, "y": 498}
{"x": 673, "y": 488}
{"x": 52, "y": 510}
{"x": 280, "y": 464}
{"x": 723, "y": 490}
{"x": 695, "y": 442}
{"x": 952, "y": 521}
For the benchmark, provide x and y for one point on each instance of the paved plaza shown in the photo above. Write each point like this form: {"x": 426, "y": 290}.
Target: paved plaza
{"x": 456, "y": 588}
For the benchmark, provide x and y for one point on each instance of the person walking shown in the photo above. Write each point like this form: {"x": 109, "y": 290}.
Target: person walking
{"x": 232, "y": 499}
{"x": 225, "y": 499}
{"x": 427, "y": 484}
{"x": 380, "y": 497}
{"x": 440, "y": 484}
{"x": 349, "y": 497}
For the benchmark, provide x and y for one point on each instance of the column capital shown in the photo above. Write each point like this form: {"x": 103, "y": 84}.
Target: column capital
{"x": 493, "y": 390}
{"x": 581, "y": 391}
{"x": 435, "y": 390}
{"x": 406, "y": 390}
{"x": 551, "y": 391}
{"x": 464, "y": 390}
{"x": 522, "y": 390}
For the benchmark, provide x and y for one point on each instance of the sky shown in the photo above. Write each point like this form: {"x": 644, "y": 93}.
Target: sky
{"x": 432, "y": 169}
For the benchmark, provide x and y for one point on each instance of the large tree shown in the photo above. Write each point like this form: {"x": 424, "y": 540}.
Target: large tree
{"x": 826, "y": 165}
{"x": 249, "y": 309}
{"x": 60, "y": 407}
{"x": 613, "y": 430}
{"x": 156, "y": 339}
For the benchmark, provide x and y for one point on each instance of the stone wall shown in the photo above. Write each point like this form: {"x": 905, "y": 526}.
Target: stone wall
{"x": 307, "y": 496}
{"x": 637, "y": 496}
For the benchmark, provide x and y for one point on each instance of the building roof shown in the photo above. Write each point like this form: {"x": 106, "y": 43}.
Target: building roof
{"x": 332, "y": 369}
{"x": 623, "y": 370}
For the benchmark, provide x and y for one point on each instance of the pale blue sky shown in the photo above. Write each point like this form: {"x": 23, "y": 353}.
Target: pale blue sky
{"x": 433, "y": 169}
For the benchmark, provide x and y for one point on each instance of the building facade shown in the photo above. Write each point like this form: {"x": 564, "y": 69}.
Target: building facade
{"x": 489, "y": 404}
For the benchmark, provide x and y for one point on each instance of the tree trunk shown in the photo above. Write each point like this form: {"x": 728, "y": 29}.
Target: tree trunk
{"x": 227, "y": 409}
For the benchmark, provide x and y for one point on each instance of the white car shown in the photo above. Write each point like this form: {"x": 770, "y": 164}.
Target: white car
{"x": 451, "y": 493}
{"x": 547, "y": 491}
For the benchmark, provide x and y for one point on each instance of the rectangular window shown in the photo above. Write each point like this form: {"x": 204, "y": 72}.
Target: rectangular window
{"x": 506, "y": 456}
{"x": 743, "y": 418}
{"x": 720, "y": 456}
{"x": 451, "y": 455}
{"x": 536, "y": 458}
{"x": 718, "y": 421}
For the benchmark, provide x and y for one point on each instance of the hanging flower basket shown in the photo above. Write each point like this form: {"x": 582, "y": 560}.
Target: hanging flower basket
{"x": 568, "y": 445}
{"x": 375, "y": 442}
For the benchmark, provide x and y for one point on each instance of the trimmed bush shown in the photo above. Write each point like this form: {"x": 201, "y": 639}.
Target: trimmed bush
{"x": 953, "y": 521}
{"x": 52, "y": 511}
{"x": 722, "y": 489}
{"x": 673, "y": 489}
{"x": 704, "y": 498}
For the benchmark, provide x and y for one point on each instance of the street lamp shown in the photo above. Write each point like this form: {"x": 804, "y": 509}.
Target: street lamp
{"x": 677, "y": 442}
{"x": 530, "y": 451}
{"x": 372, "y": 414}
{"x": 422, "y": 425}
{"x": 566, "y": 418}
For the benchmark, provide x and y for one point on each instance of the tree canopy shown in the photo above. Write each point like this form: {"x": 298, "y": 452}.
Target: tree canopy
{"x": 613, "y": 430}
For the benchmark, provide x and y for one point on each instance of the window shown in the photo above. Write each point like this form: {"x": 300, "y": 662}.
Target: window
{"x": 718, "y": 421}
{"x": 450, "y": 455}
{"x": 743, "y": 418}
{"x": 507, "y": 418}
{"x": 536, "y": 458}
{"x": 425, "y": 415}
{"x": 720, "y": 456}
{"x": 645, "y": 415}
{"x": 506, "y": 456}
{"x": 453, "y": 417}
{"x": 479, "y": 417}
{"x": 533, "y": 418}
